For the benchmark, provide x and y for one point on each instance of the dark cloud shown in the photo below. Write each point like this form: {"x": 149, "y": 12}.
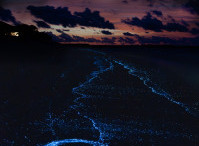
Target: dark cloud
{"x": 109, "y": 40}
{"x": 92, "y": 19}
{"x": 185, "y": 23}
{"x": 158, "y": 13}
{"x": 193, "y": 6}
{"x": 125, "y": 1}
{"x": 154, "y": 40}
{"x": 62, "y": 16}
{"x": 54, "y": 37}
{"x": 62, "y": 30}
{"x": 88, "y": 40}
{"x": 59, "y": 30}
{"x": 128, "y": 34}
{"x": 126, "y": 40}
{"x": 67, "y": 38}
{"x": 176, "y": 27}
{"x": 57, "y": 16}
{"x": 42, "y": 24}
{"x": 106, "y": 32}
{"x": 151, "y": 3}
{"x": 195, "y": 31}
{"x": 149, "y": 22}
{"x": 190, "y": 5}
{"x": 6, "y": 15}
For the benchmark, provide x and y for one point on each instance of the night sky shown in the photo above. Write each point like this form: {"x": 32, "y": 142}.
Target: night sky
{"x": 109, "y": 21}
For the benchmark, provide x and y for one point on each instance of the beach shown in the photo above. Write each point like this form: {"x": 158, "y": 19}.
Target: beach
{"x": 99, "y": 96}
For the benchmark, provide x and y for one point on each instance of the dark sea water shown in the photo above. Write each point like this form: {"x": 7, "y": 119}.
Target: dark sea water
{"x": 102, "y": 97}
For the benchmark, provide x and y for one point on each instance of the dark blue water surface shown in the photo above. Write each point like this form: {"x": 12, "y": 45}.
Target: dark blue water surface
{"x": 101, "y": 97}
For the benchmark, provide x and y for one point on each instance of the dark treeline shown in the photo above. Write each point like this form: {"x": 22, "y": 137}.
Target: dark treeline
{"x": 22, "y": 32}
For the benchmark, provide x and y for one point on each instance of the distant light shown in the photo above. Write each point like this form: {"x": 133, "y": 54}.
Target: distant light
{"x": 15, "y": 34}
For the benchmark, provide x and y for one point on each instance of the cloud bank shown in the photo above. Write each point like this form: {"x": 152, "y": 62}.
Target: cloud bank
{"x": 149, "y": 22}
{"x": 6, "y": 15}
{"x": 62, "y": 16}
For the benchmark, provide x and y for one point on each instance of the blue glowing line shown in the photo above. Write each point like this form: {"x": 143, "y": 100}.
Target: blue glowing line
{"x": 60, "y": 142}
{"x": 133, "y": 71}
{"x": 93, "y": 75}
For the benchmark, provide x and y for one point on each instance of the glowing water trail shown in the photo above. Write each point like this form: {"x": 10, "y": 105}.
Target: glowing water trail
{"x": 61, "y": 142}
{"x": 93, "y": 76}
{"x": 133, "y": 71}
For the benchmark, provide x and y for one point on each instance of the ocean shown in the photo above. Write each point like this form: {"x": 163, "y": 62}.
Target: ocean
{"x": 102, "y": 96}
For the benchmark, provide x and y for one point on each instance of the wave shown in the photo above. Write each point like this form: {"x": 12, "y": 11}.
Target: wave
{"x": 104, "y": 65}
{"x": 95, "y": 74}
{"x": 146, "y": 80}
{"x": 66, "y": 141}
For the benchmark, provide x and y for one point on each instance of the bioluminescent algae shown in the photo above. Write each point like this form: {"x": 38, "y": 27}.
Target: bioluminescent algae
{"x": 155, "y": 89}
{"x": 49, "y": 123}
{"x": 101, "y": 69}
{"x": 67, "y": 141}
{"x": 133, "y": 71}
{"x": 93, "y": 75}
{"x": 118, "y": 129}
